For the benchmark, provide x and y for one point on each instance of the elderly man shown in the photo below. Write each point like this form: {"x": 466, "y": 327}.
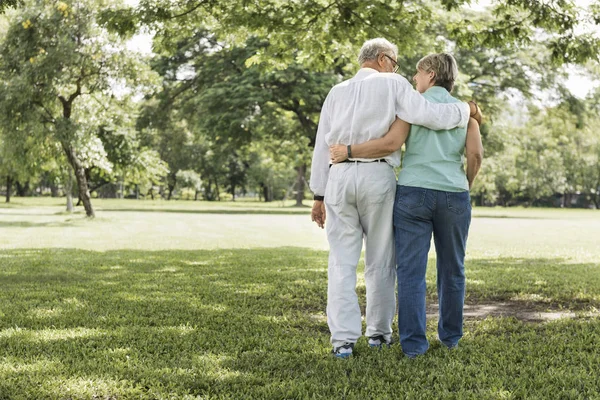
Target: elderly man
{"x": 358, "y": 195}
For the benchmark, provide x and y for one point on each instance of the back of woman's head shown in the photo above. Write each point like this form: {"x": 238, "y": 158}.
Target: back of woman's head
{"x": 443, "y": 65}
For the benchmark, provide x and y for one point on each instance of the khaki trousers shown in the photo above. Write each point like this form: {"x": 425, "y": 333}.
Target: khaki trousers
{"x": 359, "y": 202}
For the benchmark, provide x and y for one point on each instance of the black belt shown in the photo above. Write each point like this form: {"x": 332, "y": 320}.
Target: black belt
{"x": 366, "y": 162}
{"x": 379, "y": 160}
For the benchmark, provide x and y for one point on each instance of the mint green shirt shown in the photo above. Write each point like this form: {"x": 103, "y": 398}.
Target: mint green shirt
{"x": 435, "y": 159}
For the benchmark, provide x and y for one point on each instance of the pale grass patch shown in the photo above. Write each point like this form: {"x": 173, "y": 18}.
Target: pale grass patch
{"x": 322, "y": 269}
{"x": 45, "y": 312}
{"x": 224, "y": 284}
{"x": 85, "y": 387}
{"x": 319, "y": 317}
{"x": 73, "y": 301}
{"x": 194, "y": 263}
{"x": 168, "y": 269}
{"x": 475, "y": 282}
{"x": 302, "y": 282}
{"x": 360, "y": 280}
{"x": 211, "y": 366}
{"x": 530, "y": 297}
{"x": 119, "y": 351}
{"x": 10, "y": 366}
{"x": 213, "y": 307}
{"x": 132, "y": 296}
{"x": 181, "y": 329}
{"x": 48, "y": 335}
{"x": 9, "y": 332}
{"x": 255, "y": 289}
{"x": 279, "y": 319}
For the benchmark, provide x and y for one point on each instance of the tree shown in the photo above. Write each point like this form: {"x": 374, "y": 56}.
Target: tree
{"x": 231, "y": 81}
{"x": 56, "y": 62}
{"x": 189, "y": 180}
{"x": 21, "y": 158}
{"x": 218, "y": 94}
{"x": 323, "y": 31}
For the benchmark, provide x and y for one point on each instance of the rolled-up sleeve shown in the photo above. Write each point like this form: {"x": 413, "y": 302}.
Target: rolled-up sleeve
{"x": 413, "y": 108}
{"x": 319, "y": 170}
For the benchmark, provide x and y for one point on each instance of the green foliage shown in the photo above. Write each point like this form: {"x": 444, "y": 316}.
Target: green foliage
{"x": 325, "y": 33}
{"x": 58, "y": 82}
{"x": 554, "y": 153}
{"x": 4, "y": 4}
{"x": 189, "y": 179}
{"x": 215, "y": 103}
{"x": 235, "y": 88}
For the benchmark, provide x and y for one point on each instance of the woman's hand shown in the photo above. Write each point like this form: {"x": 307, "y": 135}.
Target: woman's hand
{"x": 338, "y": 153}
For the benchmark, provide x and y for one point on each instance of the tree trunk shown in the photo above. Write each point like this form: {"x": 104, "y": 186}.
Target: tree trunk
{"x": 300, "y": 185}
{"x": 9, "y": 181}
{"x": 196, "y": 195}
{"x": 265, "y": 190}
{"x": 567, "y": 198}
{"x": 151, "y": 192}
{"x": 137, "y": 191}
{"x": 217, "y": 191}
{"x": 22, "y": 189}
{"x": 69, "y": 192}
{"x": 84, "y": 193}
{"x": 54, "y": 190}
{"x": 596, "y": 197}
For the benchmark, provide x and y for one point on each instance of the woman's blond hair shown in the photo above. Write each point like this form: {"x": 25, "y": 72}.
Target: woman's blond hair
{"x": 443, "y": 65}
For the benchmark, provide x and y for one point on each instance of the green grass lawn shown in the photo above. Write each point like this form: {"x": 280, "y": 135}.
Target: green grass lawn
{"x": 183, "y": 303}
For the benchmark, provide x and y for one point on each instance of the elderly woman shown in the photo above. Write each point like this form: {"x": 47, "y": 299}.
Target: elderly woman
{"x": 432, "y": 198}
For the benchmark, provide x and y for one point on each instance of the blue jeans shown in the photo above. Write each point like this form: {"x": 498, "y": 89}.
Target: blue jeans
{"x": 419, "y": 213}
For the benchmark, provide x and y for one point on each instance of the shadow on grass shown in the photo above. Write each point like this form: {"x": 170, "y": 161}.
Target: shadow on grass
{"x": 282, "y": 211}
{"x": 27, "y": 224}
{"x": 496, "y": 216}
{"x": 221, "y": 323}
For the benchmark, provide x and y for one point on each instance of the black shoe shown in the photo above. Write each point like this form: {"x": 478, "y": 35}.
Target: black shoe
{"x": 343, "y": 351}
{"x": 378, "y": 342}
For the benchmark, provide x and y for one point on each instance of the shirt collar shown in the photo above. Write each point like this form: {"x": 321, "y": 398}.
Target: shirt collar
{"x": 436, "y": 90}
{"x": 363, "y": 73}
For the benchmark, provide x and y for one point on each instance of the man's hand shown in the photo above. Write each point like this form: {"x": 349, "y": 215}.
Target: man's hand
{"x": 318, "y": 213}
{"x": 338, "y": 153}
{"x": 475, "y": 112}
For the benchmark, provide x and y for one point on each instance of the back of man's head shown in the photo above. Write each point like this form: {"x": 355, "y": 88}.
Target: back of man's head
{"x": 371, "y": 49}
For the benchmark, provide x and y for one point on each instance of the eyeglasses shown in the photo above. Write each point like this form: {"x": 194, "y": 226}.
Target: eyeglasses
{"x": 396, "y": 66}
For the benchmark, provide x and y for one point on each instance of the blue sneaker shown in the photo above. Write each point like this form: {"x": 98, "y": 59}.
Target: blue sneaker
{"x": 343, "y": 351}
{"x": 378, "y": 342}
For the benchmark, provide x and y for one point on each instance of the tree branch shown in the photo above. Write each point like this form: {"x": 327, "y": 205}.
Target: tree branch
{"x": 191, "y": 10}
{"x": 50, "y": 117}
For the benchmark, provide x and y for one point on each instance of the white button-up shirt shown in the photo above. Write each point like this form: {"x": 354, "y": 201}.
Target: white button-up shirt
{"x": 364, "y": 107}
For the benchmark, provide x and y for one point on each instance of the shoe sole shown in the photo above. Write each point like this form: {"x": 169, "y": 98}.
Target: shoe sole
{"x": 342, "y": 356}
{"x": 379, "y": 346}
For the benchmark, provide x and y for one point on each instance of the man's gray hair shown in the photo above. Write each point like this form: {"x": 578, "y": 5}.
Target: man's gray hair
{"x": 371, "y": 49}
